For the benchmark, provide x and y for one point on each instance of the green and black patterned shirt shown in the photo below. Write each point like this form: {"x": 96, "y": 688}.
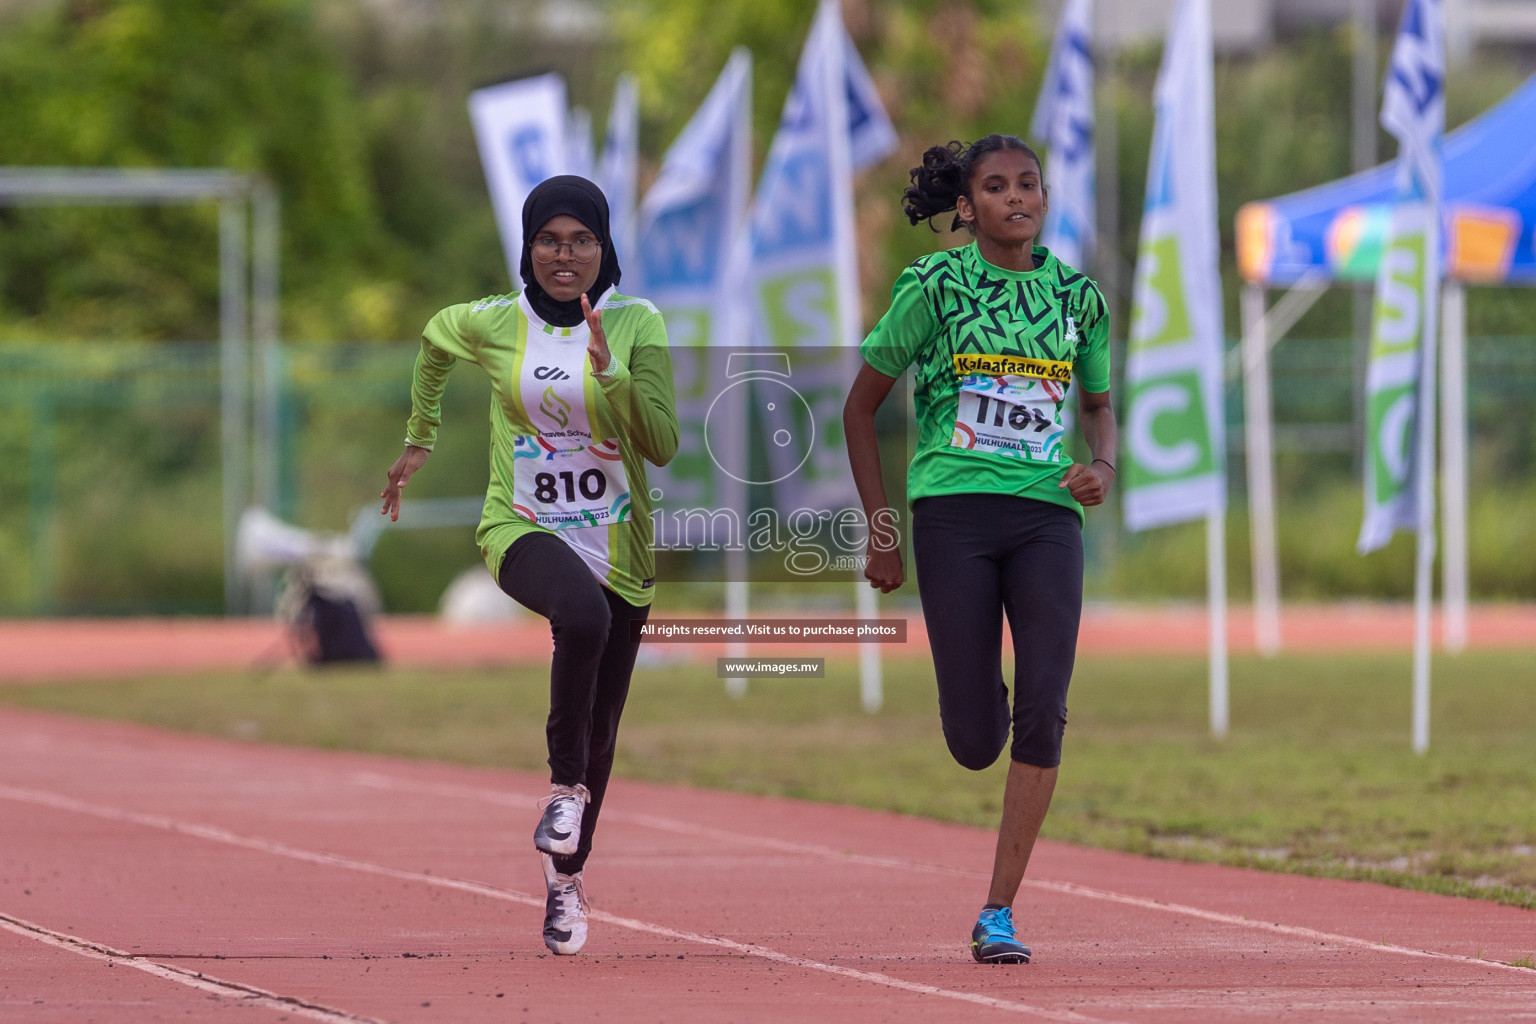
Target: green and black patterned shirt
{"x": 994, "y": 354}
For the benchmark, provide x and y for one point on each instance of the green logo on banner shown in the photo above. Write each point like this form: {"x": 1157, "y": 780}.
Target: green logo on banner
{"x": 1166, "y": 435}
{"x": 690, "y": 326}
{"x": 801, "y": 308}
{"x": 1160, "y": 316}
{"x": 1397, "y": 338}
{"x": 1391, "y": 418}
{"x": 1396, "y": 325}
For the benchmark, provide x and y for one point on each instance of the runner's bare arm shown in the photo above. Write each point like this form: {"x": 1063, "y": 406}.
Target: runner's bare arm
{"x": 869, "y": 389}
{"x": 1090, "y": 483}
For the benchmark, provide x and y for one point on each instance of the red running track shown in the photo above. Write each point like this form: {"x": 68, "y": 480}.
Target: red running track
{"x": 147, "y": 876}
{"x": 38, "y": 650}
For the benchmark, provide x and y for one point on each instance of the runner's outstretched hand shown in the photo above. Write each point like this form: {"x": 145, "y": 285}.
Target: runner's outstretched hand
{"x": 597, "y": 341}
{"x": 404, "y": 468}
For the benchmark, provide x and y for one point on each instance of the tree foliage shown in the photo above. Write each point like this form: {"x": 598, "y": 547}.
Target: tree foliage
{"x": 183, "y": 84}
{"x": 357, "y": 112}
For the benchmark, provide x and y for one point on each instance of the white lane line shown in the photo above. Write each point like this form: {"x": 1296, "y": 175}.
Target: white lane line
{"x": 1295, "y": 931}
{"x": 219, "y": 835}
{"x": 521, "y": 801}
{"x": 380, "y": 781}
{"x": 248, "y": 995}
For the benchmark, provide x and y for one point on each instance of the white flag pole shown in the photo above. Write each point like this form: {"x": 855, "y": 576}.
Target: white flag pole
{"x": 835, "y": 72}
{"x": 736, "y": 608}
{"x": 578, "y": 143}
{"x": 618, "y": 168}
{"x": 735, "y": 281}
{"x": 1258, "y": 429}
{"x": 871, "y": 691}
{"x": 1453, "y": 466}
{"x": 1216, "y": 596}
{"x": 1424, "y": 568}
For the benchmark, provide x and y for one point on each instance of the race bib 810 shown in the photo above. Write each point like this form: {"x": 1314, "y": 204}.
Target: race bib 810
{"x": 564, "y": 487}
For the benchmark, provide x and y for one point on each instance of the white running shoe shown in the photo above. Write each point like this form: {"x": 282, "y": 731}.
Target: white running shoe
{"x": 565, "y": 910}
{"x": 559, "y": 830}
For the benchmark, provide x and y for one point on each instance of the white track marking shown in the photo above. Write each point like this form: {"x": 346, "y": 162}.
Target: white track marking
{"x": 247, "y": 995}
{"x": 219, "y": 835}
{"x": 1295, "y": 931}
{"x": 518, "y": 800}
{"x": 380, "y": 781}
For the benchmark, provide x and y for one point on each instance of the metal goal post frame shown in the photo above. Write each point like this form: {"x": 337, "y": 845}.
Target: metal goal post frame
{"x": 249, "y": 259}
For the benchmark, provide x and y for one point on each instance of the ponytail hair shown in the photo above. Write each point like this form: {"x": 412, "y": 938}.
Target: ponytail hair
{"x": 945, "y": 175}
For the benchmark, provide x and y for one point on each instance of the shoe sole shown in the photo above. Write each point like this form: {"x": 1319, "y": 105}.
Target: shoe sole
{"x": 564, "y": 847}
{"x": 1003, "y": 958}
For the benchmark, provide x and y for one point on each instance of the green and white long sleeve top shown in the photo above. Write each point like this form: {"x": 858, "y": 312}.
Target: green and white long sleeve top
{"x": 568, "y": 446}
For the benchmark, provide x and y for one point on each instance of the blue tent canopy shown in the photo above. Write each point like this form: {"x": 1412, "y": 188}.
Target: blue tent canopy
{"x": 1339, "y": 228}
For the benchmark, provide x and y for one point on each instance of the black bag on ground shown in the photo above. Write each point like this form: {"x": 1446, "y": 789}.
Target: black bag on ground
{"x": 327, "y": 604}
{"x": 336, "y": 631}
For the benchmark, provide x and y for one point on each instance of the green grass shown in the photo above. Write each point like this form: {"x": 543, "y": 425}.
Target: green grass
{"x": 1316, "y": 777}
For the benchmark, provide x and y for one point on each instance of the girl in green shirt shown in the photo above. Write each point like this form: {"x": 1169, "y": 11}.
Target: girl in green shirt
{"x": 998, "y": 333}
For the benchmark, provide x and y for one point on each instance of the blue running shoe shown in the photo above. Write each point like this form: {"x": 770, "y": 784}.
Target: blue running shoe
{"x": 993, "y": 940}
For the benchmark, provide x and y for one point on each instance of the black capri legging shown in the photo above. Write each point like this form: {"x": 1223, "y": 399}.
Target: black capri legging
{"x": 589, "y": 674}
{"x": 977, "y": 556}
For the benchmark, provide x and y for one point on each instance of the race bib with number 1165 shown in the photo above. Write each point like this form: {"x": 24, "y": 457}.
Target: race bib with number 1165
{"x": 1015, "y": 412}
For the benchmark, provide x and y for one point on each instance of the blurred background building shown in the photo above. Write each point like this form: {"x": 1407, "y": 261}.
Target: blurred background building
{"x": 1246, "y": 25}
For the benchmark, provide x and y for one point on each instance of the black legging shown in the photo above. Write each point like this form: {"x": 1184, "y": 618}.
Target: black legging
{"x": 977, "y": 556}
{"x": 589, "y": 676}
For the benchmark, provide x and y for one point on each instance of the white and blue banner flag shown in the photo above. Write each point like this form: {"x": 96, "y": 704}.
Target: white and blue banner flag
{"x": 691, "y": 220}
{"x": 1400, "y": 380}
{"x": 803, "y": 247}
{"x": 1173, "y": 459}
{"x": 618, "y": 169}
{"x": 689, "y": 259}
{"x": 1063, "y": 124}
{"x": 871, "y": 136}
{"x": 520, "y": 129}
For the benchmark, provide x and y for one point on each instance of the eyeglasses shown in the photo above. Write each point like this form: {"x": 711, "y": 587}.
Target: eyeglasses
{"x": 547, "y": 250}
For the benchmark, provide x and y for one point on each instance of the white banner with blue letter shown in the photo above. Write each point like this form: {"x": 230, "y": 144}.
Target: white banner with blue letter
{"x": 1063, "y": 123}
{"x": 805, "y": 282}
{"x": 520, "y": 130}
{"x": 1400, "y": 379}
{"x": 618, "y": 169}
{"x": 1173, "y": 461}
{"x": 688, "y": 260}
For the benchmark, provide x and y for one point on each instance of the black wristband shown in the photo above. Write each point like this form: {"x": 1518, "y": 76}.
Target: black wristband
{"x": 1106, "y": 462}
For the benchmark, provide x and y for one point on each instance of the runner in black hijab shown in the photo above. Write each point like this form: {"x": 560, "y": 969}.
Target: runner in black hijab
{"x": 576, "y": 197}
{"x": 584, "y": 563}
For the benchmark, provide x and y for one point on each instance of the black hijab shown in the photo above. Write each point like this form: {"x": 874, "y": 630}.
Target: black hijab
{"x": 579, "y": 198}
